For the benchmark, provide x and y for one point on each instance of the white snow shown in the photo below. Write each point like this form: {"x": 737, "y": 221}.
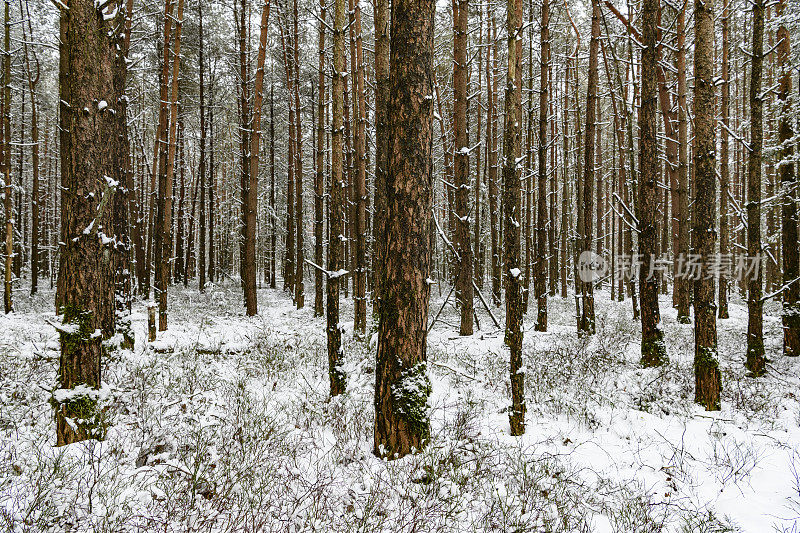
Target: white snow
{"x": 609, "y": 446}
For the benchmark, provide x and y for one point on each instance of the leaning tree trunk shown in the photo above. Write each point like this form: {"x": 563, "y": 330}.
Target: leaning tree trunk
{"x": 512, "y": 216}
{"x": 402, "y": 386}
{"x": 791, "y": 268}
{"x": 706, "y": 368}
{"x": 653, "y": 348}
{"x": 463, "y": 247}
{"x": 89, "y": 125}
{"x": 755, "y": 362}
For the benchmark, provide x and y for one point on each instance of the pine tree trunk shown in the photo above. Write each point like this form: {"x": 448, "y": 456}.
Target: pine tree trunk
{"x": 587, "y": 319}
{"x": 791, "y": 268}
{"x": 653, "y": 349}
{"x": 202, "y": 170}
{"x": 463, "y": 247}
{"x": 319, "y": 176}
{"x": 755, "y": 362}
{"x": 512, "y": 215}
{"x": 299, "y": 287}
{"x": 5, "y": 163}
{"x": 337, "y": 209}
{"x": 89, "y": 125}
{"x": 494, "y": 212}
{"x": 540, "y": 274}
{"x": 402, "y": 387}
{"x": 724, "y": 157}
{"x": 707, "y": 375}
{"x": 382, "y": 19}
{"x": 161, "y": 242}
{"x": 360, "y": 184}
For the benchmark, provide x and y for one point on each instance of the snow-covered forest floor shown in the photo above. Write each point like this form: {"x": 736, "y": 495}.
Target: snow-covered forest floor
{"x": 224, "y": 424}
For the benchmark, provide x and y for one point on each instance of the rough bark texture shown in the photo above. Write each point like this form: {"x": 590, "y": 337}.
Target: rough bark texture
{"x": 724, "y": 170}
{"x": 653, "y": 349}
{"x": 756, "y": 362}
{"x": 791, "y": 260}
{"x": 494, "y": 211}
{"x": 587, "y": 318}
{"x": 681, "y": 248}
{"x": 540, "y": 271}
{"x": 512, "y": 216}
{"x": 319, "y": 176}
{"x": 402, "y": 386}
{"x": 299, "y": 286}
{"x": 706, "y": 368}
{"x": 89, "y": 128}
{"x": 5, "y": 163}
{"x": 381, "y": 20}
{"x": 202, "y": 170}
{"x": 337, "y": 212}
{"x": 463, "y": 247}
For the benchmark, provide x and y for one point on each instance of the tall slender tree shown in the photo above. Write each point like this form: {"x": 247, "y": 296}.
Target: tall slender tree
{"x": 512, "y": 215}
{"x": 756, "y": 362}
{"x": 653, "y": 348}
{"x": 337, "y": 209}
{"x": 540, "y": 274}
{"x": 789, "y": 217}
{"x": 463, "y": 247}
{"x": 707, "y": 375}
{"x": 724, "y": 160}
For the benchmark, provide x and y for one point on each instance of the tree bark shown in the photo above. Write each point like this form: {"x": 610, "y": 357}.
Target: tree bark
{"x": 89, "y": 45}
{"x": 382, "y": 49}
{"x": 319, "y": 176}
{"x": 707, "y": 375}
{"x": 724, "y": 157}
{"x": 512, "y": 216}
{"x": 402, "y": 387}
{"x": 202, "y": 171}
{"x": 789, "y": 217}
{"x": 540, "y": 274}
{"x": 755, "y": 362}
{"x": 653, "y": 348}
{"x": 337, "y": 208}
{"x": 463, "y": 246}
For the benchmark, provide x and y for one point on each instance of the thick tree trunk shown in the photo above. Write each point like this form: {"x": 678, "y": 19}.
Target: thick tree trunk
{"x": 791, "y": 260}
{"x": 463, "y": 247}
{"x": 89, "y": 124}
{"x": 653, "y": 348}
{"x": 755, "y": 362}
{"x": 707, "y": 375}
{"x": 402, "y": 386}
